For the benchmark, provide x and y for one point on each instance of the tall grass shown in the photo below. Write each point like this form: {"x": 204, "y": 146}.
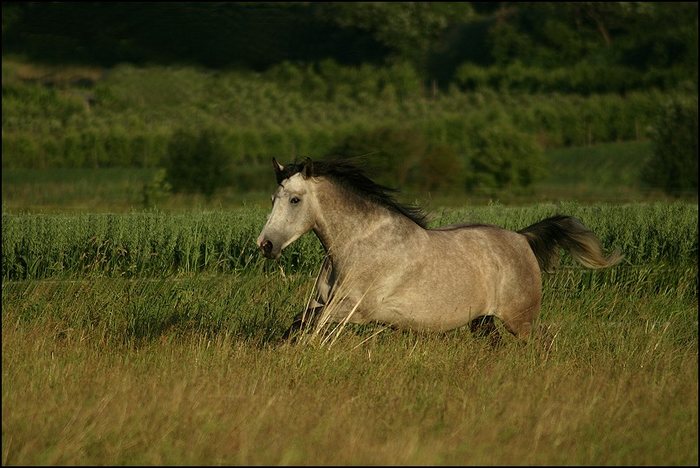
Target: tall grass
{"x": 252, "y": 306}
{"x": 157, "y": 244}
{"x": 187, "y": 371}
{"x": 258, "y": 305}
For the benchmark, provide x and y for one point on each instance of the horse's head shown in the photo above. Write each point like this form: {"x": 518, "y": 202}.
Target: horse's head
{"x": 292, "y": 208}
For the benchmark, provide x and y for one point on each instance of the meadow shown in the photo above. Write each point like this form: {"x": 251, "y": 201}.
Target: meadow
{"x": 153, "y": 338}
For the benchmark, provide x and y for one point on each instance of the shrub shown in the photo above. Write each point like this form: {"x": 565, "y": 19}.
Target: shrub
{"x": 156, "y": 190}
{"x": 440, "y": 169}
{"x": 492, "y": 156}
{"x": 402, "y": 157}
{"x": 582, "y": 78}
{"x": 502, "y": 158}
{"x": 674, "y": 165}
{"x": 197, "y": 162}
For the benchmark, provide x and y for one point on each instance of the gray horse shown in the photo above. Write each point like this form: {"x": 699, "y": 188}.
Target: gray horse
{"x": 383, "y": 264}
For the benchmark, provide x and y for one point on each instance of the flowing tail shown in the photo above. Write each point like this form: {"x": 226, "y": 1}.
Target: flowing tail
{"x": 566, "y": 232}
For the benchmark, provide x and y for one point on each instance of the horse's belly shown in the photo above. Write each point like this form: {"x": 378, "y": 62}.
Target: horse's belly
{"x": 451, "y": 279}
{"x": 435, "y": 308}
{"x": 446, "y": 295}
{"x": 419, "y": 320}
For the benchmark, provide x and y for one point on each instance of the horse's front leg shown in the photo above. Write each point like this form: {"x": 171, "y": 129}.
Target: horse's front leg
{"x": 305, "y": 320}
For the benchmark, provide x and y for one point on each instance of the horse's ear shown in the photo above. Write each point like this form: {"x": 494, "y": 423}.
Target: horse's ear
{"x": 278, "y": 167}
{"x": 308, "y": 168}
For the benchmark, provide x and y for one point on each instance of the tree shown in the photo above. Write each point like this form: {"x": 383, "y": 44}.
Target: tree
{"x": 674, "y": 165}
{"x": 637, "y": 34}
{"x": 408, "y": 29}
{"x": 197, "y": 162}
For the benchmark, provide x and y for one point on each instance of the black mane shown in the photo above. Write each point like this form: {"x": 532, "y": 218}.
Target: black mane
{"x": 354, "y": 178}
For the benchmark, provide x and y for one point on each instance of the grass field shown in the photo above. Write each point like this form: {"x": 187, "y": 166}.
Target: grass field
{"x": 608, "y": 171}
{"x": 133, "y": 353}
{"x": 86, "y": 382}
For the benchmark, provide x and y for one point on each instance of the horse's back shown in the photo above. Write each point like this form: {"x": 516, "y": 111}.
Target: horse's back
{"x": 484, "y": 241}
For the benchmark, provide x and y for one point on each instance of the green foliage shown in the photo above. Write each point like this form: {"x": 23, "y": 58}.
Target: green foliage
{"x": 573, "y": 120}
{"x": 402, "y": 157}
{"x": 391, "y": 153}
{"x": 502, "y": 158}
{"x": 581, "y": 78}
{"x": 131, "y": 119}
{"x": 197, "y": 162}
{"x": 440, "y": 170}
{"x": 601, "y": 173}
{"x": 156, "y": 190}
{"x": 39, "y": 101}
{"x": 328, "y": 81}
{"x": 674, "y": 166}
{"x": 642, "y": 36}
{"x": 407, "y": 29}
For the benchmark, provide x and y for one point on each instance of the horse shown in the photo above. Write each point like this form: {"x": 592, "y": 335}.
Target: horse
{"x": 383, "y": 264}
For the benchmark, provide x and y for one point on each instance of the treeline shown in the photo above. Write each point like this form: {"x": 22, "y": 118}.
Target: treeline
{"x": 581, "y": 78}
{"x": 551, "y": 121}
{"x": 435, "y": 37}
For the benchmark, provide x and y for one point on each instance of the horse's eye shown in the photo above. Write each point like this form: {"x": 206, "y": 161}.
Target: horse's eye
{"x": 294, "y": 200}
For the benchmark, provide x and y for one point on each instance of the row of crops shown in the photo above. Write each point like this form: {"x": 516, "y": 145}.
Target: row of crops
{"x": 129, "y": 116}
{"x": 158, "y": 244}
{"x": 142, "y": 141}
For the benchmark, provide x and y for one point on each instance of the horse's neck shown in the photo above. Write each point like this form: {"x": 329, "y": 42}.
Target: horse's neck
{"x": 346, "y": 222}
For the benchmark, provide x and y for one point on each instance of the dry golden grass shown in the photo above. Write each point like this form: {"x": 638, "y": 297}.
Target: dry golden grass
{"x": 617, "y": 389}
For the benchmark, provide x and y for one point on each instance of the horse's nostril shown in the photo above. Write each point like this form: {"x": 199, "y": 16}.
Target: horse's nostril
{"x": 266, "y": 247}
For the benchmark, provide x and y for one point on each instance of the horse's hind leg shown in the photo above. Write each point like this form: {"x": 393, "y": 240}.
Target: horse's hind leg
{"x": 520, "y": 322}
{"x": 484, "y": 326}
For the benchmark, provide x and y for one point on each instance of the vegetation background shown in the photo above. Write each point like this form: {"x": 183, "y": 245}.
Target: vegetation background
{"x": 140, "y": 324}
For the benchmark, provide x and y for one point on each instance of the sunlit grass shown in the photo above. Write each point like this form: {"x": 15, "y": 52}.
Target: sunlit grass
{"x": 613, "y": 382}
